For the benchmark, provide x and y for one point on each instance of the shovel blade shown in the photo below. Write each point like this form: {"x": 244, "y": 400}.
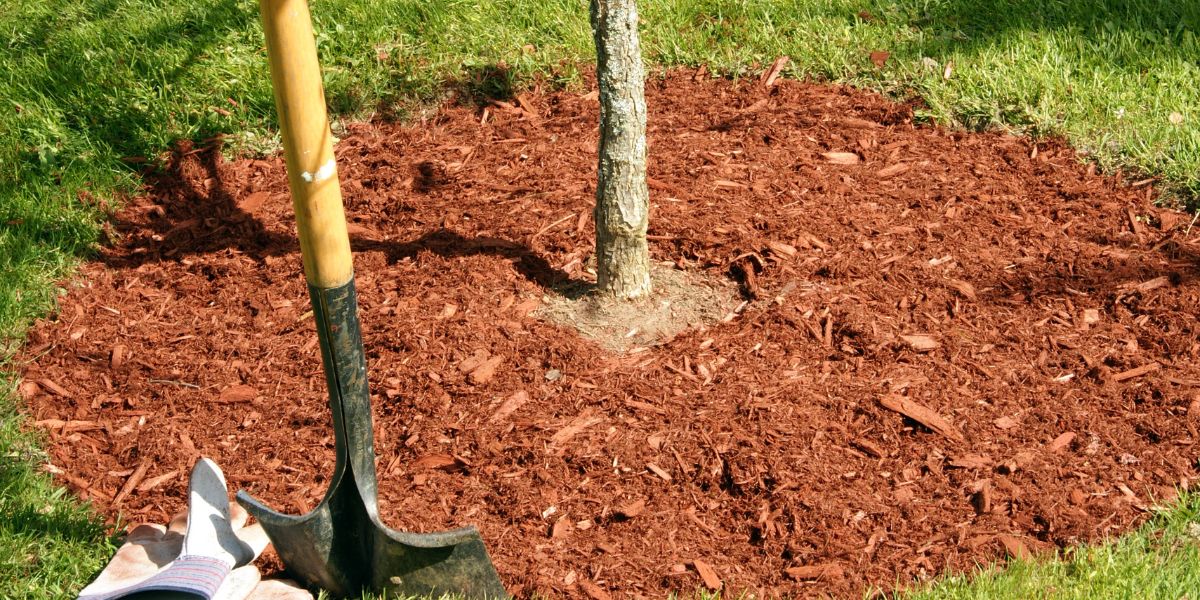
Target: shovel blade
{"x": 314, "y": 550}
{"x": 344, "y": 549}
{"x": 432, "y": 564}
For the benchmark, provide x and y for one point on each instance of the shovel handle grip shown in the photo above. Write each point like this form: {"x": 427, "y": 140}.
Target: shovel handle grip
{"x": 307, "y": 142}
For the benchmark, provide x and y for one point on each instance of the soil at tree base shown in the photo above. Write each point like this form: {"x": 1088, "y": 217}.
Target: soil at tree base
{"x": 679, "y": 300}
{"x": 957, "y": 346}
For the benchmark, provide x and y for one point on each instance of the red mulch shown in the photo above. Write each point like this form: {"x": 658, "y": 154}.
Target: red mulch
{"x": 961, "y": 346}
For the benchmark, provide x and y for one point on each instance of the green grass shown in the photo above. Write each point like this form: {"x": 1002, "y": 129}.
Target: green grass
{"x": 1105, "y": 74}
{"x": 49, "y": 545}
{"x": 90, "y": 87}
{"x": 1160, "y": 560}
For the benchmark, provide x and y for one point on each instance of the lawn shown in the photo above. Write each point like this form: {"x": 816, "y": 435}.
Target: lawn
{"x": 96, "y": 90}
{"x": 1158, "y": 561}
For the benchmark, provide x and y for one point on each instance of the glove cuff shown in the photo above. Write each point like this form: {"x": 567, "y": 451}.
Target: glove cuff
{"x": 200, "y": 576}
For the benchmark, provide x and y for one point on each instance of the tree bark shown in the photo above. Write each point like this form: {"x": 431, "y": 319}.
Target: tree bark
{"x": 622, "y": 199}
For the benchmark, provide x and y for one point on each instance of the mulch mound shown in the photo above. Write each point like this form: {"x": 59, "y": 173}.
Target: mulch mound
{"x": 954, "y": 347}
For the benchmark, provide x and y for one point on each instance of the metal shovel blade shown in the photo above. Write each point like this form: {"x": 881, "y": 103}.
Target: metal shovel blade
{"x": 341, "y": 545}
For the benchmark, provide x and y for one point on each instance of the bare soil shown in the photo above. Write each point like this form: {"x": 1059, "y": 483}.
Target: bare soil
{"x": 957, "y": 346}
{"x": 679, "y": 300}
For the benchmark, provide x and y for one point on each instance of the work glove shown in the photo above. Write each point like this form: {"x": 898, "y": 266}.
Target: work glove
{"x": 207, "y": 552}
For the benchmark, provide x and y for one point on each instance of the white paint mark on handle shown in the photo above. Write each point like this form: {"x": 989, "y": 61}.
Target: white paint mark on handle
{"x": 325, "y": 172}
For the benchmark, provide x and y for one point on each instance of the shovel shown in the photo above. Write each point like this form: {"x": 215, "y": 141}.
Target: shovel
{"x": 342, "y": 546}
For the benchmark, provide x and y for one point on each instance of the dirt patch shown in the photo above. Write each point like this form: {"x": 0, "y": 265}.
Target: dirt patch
{"x": 678, "y": 301}
{"x": 961, "y": 346}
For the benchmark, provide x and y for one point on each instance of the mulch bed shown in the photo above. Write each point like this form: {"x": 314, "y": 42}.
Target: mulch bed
{"x": 955, "y": 346}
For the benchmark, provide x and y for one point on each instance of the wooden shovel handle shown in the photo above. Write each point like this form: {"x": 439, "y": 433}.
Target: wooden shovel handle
{"x": 307, "y": 142}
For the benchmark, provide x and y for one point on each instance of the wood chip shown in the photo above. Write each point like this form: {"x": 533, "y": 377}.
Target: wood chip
{"x": 361, "y": 231}
{"x": 757, "y": 106}
{"x": 1005, "y": 423}
{"x": 1168, "y": 219}
{"x": 921, "y": 342}
{"x": 921, "y": 414}
{"x": 1061, "y": 442}
{"x": 811, "y": 240}
{"x": 1014, "y": 546}
{"x": 577, "y": 425}
{"x": 1019, "y": 461}
{"x": 880, "y": 57}
{"x": 188, "y": 445}
{"x": 1136, "y": 372}
{"x": 131, "y": 484}
{"x": 781, "y": 249}
{"x": 658, "y": 184}
{"x": 857, "y": 123}
{"x": 646, "y": 405}
{"x": 867, "y": 446}
{"x": 707, "y": 575}
{"x": 53, "y": 424}
{"x": 486, "y": 371}
{"x": 1135, "y": 224}
{"x": 83, "y": 485}
{"x": 982, "y": 499}
{"x": 594, "y": 591}
{"x": 1149, "y": 285}
{"x": 237, "y": 393}
{"x": 657, "y": 470}
{"x": 1126, "y": 491}
{"x": 632, "y": 509}
{"x": 561, "y": 528}
{"x": 826, "y": 572}
{"x": 472, "y": 362}
{"x": 769, "y": 77}
{"x": 54, "y": 388}
{"x": 967, "y": 290}
{"x": 510, "y": 405}
{"x": 28, "y": 389}
{"x": 437, "y": 460}
{"x": 1077, "y": 497}
{"x": 523, "y": 308}
{"x": 892, "y": 170}
{"x": 727, "y": 184}
{"x": 971, "y": 461}
{"x": 117, "y": 357}
{"x": 842, "y": 158}
{"x": 254, "y": 201}
{"x": 74, "y": 426}
{"x": 154, "y": 482}
{"x": 528, "y": 107}
{"x": 67, "y": 427}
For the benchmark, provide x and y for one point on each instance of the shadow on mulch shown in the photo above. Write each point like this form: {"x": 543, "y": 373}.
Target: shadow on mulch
{"x": 191, "y": 212}
{"x": 957, "y": 346}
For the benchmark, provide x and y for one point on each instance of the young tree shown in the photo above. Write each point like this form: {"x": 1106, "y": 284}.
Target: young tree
{"x": 622, "y": 199}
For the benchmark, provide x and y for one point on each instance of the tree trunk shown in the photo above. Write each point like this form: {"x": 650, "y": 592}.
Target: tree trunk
{"x": 622, "y": 200}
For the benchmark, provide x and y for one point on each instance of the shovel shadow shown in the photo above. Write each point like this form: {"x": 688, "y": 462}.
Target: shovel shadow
{"x": 192, "y": 210}
{"x": 449, "y": 244}
{"x": 180, "y": 218}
